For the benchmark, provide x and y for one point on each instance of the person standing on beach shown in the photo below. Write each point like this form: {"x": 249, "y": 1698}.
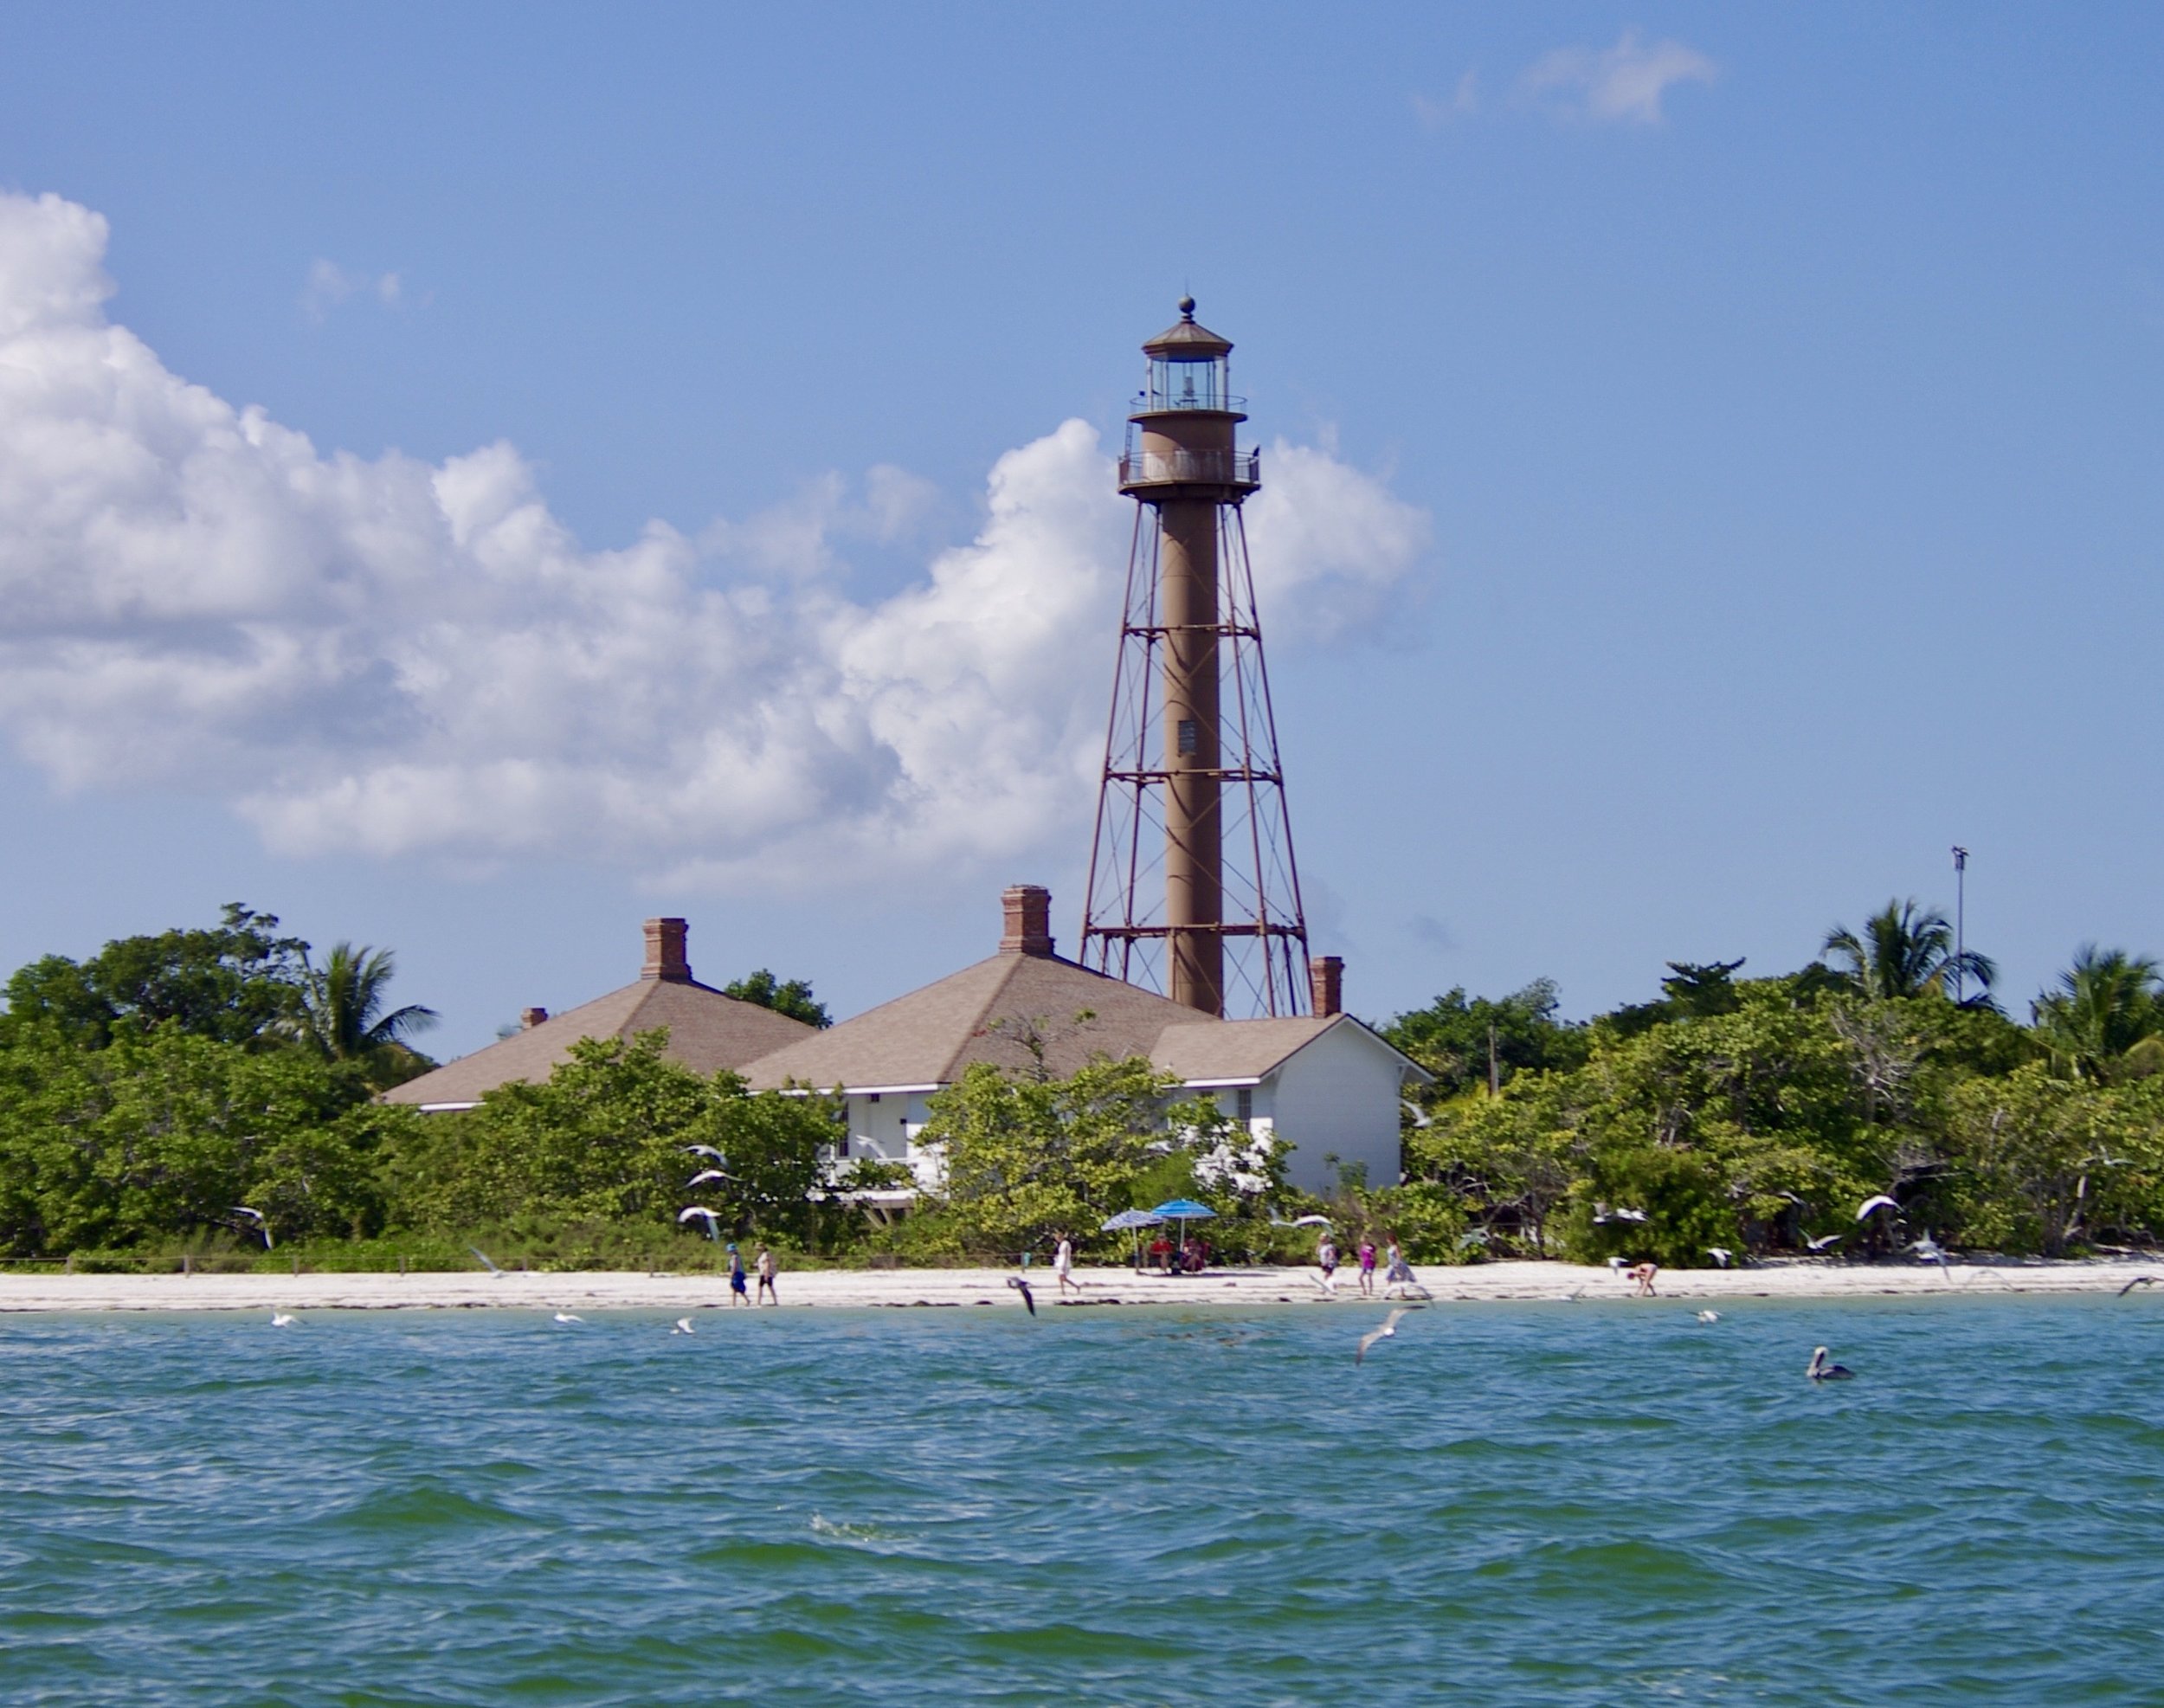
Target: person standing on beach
{"x": 1326, "y": 1260}
{"x": 1400, "y": 1273}
{"x": 767, "y": 1266}
{"x": 1367, "y": 1267}
{"x": 736, "y": 1293}
{"x": 1063, "y": 1265}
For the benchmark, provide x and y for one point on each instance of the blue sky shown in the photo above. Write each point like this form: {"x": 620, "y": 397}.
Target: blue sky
{"x": 1740, "y": 427}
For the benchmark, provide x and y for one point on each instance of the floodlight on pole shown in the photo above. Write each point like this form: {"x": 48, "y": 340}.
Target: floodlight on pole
{"x": 1961, "y": 921}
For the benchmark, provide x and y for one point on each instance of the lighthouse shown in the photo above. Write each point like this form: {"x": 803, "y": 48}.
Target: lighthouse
{"x": 1193, "y": 887}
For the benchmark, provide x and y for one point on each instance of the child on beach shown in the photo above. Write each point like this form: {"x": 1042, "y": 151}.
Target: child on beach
{"x": 736, "y": 1295}
{"x": 767, "y": 1266}
{"x": 1326, "y": 1260}
{"x": 1367, "y": 1268}
{"x": 1400, "y": 1273}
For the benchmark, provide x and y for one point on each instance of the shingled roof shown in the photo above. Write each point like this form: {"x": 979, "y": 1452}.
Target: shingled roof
{"x": 994, "y": 1010}
{"x": 707, "y": 1030}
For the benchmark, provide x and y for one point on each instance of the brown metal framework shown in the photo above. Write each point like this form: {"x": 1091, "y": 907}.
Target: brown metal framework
{"x": 1259, "y": 930}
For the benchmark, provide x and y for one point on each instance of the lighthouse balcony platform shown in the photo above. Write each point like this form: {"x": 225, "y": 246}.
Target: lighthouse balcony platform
{"x": 1237, "y": 471}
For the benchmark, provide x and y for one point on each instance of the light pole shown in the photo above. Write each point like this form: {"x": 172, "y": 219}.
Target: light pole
{"x": 1961, "y": 921}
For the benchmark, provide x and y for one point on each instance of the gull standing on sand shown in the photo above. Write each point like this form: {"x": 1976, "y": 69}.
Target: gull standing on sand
{"x": 1820, "y": 1370}
{"x": 1387, "y": 1331}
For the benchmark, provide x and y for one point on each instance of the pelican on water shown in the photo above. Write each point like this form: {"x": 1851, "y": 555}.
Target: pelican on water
{"x": 1820, "y": 1370}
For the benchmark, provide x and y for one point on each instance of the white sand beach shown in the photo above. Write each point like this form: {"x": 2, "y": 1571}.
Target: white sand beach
{"x": 931, "y": 1288}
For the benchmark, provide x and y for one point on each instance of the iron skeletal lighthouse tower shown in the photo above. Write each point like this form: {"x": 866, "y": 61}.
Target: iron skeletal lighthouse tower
{"x": 1193, "y": 887}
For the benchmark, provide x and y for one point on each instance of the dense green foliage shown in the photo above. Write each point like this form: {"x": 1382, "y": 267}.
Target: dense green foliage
{"x": 1759, "y": 1115}
{"x": 216, "y": 1091}
{"x": 792, "y": 997}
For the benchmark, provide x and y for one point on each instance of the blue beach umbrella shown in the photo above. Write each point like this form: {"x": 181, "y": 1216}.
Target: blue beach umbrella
{"x": 1183, "y": 1210}
{"x": 1135, "y": 1221}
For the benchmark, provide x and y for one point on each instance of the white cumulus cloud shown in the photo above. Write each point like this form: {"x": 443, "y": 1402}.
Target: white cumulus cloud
{"x": 329, "y": 285}
{"x": 397, "y": 657}
{"x": 1624, "y": 84}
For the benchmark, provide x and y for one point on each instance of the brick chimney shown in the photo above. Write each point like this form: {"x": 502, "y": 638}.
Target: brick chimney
{"x": 1326, "y": 985}
{"x": 530, "y": 1018}
{"x": 1028, "y": 911}
{"x": 665, "y": 952}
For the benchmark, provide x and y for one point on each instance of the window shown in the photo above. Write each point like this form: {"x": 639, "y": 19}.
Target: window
{"x": 1190, "y": 738}
{"x": 874, "y": 1097}
{"x": 1247, "y": 1101}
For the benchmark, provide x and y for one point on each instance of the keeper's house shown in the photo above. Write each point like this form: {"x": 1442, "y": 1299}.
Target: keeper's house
{"x": 1324, "y": 1083}
{"x": 707, "y": 1030}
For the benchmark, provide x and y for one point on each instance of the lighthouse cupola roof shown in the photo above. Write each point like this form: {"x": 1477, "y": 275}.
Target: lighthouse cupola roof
{"x": 1186, "y": 342}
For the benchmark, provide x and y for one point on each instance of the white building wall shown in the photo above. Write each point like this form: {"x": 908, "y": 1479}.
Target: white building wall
{"x": 1339, "y": 1096}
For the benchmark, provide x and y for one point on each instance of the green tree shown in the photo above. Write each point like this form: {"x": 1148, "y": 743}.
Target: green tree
{"x": 161, "y": 1134}
{"x": 1027, "y": 1159}
{"x": 342, "y": 1015}
{"x": 2050, "y": 1163}
{"x": 2103, "y": 1021}
{"x": 1905, "y": 950}
{"x": 239, "y": 983}
{"x": 793, "y": 998}
{"x": 1471, "y": 1040}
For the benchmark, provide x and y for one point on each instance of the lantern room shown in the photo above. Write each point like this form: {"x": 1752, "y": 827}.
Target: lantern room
{"x": 1189, "y": 370}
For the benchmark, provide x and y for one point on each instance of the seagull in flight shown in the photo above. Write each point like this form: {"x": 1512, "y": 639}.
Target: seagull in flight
{"x": 1022, "y": 1286}
{"x": 712, "y": 1221}
{"x": 566, "y": 1316}
{"x": 1720, "y": 1254}
{"x": 683, "y": 1326}
{"x": 487, "y": 1263}
{"x": 1618, "y": 1265}
{"x": 1387, "y": 1331}
{"x": 705, "y": 1175}
{"x": 1928, "y": 1250}
{"x": 283, "y": 1319}
{"x": 1709, "y": 1316}
{"x": 1825, "y": 1242}
{"x": 2138, "y": 1281}
{"x": 262, "y": 1224}
{"x": 704, "y": 1150}
{"x": 1881, "y": 1202}
{"x": 1300, "y": 1222}
{"x": 1820, "y": 1370}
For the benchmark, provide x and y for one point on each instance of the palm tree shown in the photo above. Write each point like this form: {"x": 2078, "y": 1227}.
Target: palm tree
{"x": 2108, "y": 1003}
{"x": 342, "y": 1004}
{"x": 1906, "y": 950}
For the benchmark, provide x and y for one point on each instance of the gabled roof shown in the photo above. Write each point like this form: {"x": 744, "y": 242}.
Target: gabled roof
{"x": 707, "y": 1032}
{"x": 1230, "y": 1051}
{"x": 983, "y": 1013}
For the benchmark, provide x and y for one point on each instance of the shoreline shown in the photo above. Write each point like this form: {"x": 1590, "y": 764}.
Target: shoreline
{"x": 609, "y": 1290}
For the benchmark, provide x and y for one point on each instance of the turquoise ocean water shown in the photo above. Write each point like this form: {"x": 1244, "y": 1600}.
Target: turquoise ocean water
{"x": 1550, "y": 1504}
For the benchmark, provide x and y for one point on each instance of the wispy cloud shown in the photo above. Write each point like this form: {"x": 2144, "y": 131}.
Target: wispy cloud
{"x": 1464, "y": 102}
{"x": 329, "y": 285}
{"x": 1625, "y": 84}
{"x": 395, "y": 657}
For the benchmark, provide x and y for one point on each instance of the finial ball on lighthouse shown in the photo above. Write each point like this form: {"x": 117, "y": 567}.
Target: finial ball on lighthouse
{"x": 1187, "y": 308}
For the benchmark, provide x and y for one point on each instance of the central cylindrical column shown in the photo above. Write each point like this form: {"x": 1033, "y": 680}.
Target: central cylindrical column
{"x": 1194, "y": 955}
